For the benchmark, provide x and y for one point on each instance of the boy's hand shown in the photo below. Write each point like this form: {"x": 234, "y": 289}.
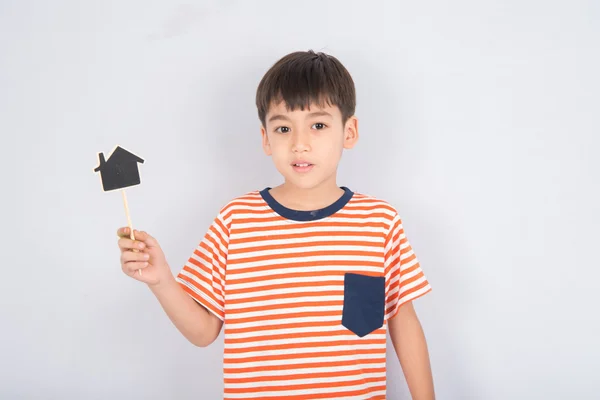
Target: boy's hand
{"x": 149, "y": 257}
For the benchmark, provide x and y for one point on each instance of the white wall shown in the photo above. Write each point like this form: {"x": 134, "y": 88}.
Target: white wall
{"x": 479, "y": 122}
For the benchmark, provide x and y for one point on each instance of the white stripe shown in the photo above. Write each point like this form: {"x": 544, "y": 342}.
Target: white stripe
{"x": 324, "y": 380}
{"x": 253, "y": 220}
{"x": 284, "y": 331}
{"x": 406, "y": 287}
{"x": 416, "y": 293}
{"x": 256, "y": 211}
{"x": 404, "y": 276}
{"x": 198, "y": 292}
{"x": 274, "y": 324}
{"x": 224, "y": 237}
{"x": 407, "y": 298}
{"x": 355, "y": 347}
{"x": 209, "y": 255}
{"x": 278, "y": 301}
{"x": 231, "y": 287}
{"x": 292, "y": 361}
{"x": 350, "y": 337}
{"x": 281, "y": 311}
{"x": 196, "y": 280}
{"x": 288, "y": 269}
{"x": 318, "y": 246}
{"x": 301, "y": 229}
{"x": 313, "y": 239}
{"x": 308, "y": 392}
{"x": 315, "y": 371}
{"x": 320, "y": 258}
{"x": 289, "y": 290}
{"x": 408, "y": 275}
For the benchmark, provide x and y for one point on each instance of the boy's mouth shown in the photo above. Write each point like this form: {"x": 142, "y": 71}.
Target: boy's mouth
{"x": 302, "y": 166}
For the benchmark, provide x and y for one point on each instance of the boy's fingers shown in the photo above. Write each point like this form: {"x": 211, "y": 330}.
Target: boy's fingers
{"x": 125, "y": 241}
{"x": 127, "y": 244}
{"x": 132, "y": 256}
{"x": 123, "y": 232}
{"x": 143, "y": 236}
{"x": 132, "y": 267}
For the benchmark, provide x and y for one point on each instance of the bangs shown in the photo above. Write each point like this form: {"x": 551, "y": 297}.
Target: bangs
{"x": 304, "y": 79}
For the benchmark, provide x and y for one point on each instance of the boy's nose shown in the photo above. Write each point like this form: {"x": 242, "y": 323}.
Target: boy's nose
{"x": 300, "y": 142}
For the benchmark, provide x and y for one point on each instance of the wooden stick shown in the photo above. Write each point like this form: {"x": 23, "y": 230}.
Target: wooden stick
{"x": 129, "y": 223}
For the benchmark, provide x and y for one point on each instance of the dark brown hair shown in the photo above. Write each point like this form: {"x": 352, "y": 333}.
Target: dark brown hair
{"x": 303, "y": 78}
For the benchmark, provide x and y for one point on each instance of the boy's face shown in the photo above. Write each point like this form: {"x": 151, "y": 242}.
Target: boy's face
{"x": 306, "y": 145}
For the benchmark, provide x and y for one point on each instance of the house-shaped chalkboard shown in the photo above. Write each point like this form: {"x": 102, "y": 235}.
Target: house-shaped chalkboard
{"x": 120, "y": 170}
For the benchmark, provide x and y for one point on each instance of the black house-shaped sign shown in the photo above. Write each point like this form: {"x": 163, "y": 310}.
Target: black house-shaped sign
{"x": 120, "y": 170}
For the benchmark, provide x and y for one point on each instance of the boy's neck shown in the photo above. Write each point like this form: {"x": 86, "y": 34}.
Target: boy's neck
{"x": 301, "y": 199}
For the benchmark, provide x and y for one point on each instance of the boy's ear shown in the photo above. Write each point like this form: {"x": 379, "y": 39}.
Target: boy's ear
{"x": 265, "y": 141}
{"x": 351, "y": 132}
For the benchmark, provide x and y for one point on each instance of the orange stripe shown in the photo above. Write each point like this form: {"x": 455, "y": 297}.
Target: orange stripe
{"x": 200, "y": 299}
{"x": 305, "y": 386}
{"x": 301, "y": 245}
{"x": 229, "y": 340}
{"x": 220, "y": 244}
{"x": 323, "y": 364}
{"x": 291, "y": 315}
{"x": 296, "y": 285}
{"x": 321, "y": 354}
{"x": 412, "y": 279}
{"x": 333, "y": 395}
{"x": 308, "y": 375}
{"x": 213, "y": 258}
{"x": 397, "y": 283}
{"x": 256, "y": 220}
{"x": 302, "y": 235}
{"x": 282, "y": 305}
{"x": 308, "y": 274}
{"x": 231, "y": 330}
{"x": 282, "y": 296}
{"x": 304, "y": 254}
{"x": 202, "y": 256}
{"x": 412, "y": 290}
{"x": 299, "y": 345}
{"x": 392, "y": 232}
{"x": 267, "y": 268}
{"x": 200, "y": 287}
{"x": 282, "y": 227}
{"x": 403, "y": 271}
{"x": 254, "y": 210}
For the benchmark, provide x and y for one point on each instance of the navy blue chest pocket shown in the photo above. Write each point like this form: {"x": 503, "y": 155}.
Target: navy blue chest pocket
{"x": 364, "y": 303}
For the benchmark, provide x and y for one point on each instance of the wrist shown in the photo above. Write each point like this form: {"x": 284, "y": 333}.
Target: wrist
{"x": 164, "y": 282}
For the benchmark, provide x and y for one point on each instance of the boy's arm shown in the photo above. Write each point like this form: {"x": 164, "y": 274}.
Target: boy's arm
{"x": 411, "y": 348}
{"x": 195, "y": 322}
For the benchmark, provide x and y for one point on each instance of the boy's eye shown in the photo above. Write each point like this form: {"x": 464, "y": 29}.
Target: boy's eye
{"x": 282, "y": 129}
{"x": 319, "y": 125}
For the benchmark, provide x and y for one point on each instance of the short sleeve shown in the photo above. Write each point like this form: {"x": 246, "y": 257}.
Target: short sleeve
{"x": 405, "y": 281}
{"x": 203, "y": 275}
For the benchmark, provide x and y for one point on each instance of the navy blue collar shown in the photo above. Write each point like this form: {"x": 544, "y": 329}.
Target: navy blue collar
{"x": 301, "y": 215}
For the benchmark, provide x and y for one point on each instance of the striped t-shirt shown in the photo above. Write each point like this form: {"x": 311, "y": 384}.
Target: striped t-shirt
{"x": 305, "y": 296}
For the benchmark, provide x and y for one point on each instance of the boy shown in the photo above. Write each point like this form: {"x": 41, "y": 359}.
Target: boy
{"x": 307, "y": 276}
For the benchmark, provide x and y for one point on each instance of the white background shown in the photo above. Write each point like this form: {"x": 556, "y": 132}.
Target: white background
{"x": 479, "y": 121}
